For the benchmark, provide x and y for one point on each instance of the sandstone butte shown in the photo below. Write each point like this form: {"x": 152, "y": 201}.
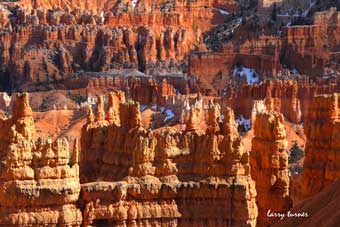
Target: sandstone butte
{"x": 269, "y": 166}
{"x": 128, "y": 175}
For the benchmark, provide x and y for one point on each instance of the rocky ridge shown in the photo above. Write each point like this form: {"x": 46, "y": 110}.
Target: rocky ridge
{"x": 161, "y": 165}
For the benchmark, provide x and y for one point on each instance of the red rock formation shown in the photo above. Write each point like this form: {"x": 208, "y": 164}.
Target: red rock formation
{"x": 292, "y": 98}
{"x": 321, "y": 165}
{"x": 4, "y": 19}
{"x": 269, "y": 166}
{"x": 39, "y": 184}
{"x": 306, "y": 44}
{"x": 193, "y": 122}
{"x": 168, "y": 167}
{"x": 65, "y": 37}
{"x": 95, "y": 6}
{"x": 150, "y": 91}
{"x": 321, "y": 208}
{"x": 309, "y": 49}
{"x": 261, "y": 55}
{"x": 100, "y": 114}
{"x": 5, "y": 101}
{"x": 213, "y": 119}
{"x": 113, "y": 110}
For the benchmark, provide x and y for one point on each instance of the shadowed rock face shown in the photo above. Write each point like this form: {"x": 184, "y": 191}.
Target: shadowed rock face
{"x": 269, "y": 166}
{"x": 321, "y": 208}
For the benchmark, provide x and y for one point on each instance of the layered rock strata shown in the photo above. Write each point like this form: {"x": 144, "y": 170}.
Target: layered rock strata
{"x": 290, "y": 97}
{"x": 269, "y": 167}
{"x": 39, "y": 179}
{"x": 165, "y": 177}
{"x": 321, "y": 164}
{"x": 311, "y": 50}
{"x": 68, "y": 37}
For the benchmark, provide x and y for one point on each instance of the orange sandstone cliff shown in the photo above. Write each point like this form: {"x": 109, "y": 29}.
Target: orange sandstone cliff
{"x": 39, "y": 179}
{"x": 165, "y": 176}
{"x": 269, "y": 166}
{"x": 130, "y": 175}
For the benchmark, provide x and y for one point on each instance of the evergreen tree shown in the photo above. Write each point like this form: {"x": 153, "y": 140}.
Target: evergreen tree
{"x": 274, "y": 13}
{"x": 296, "y": 153}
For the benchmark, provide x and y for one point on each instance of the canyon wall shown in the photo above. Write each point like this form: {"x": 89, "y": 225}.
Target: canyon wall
{"x": 133, "y": 176}
{"x": 65, "y": 50}
{"x": 290, "y": 97}
{"x": 182, "y": 172}
{"x": 311, "y": 50}
{"x": 145, "y": 90}
{"x": 140, "y": 6}
{"x": 261, "y": 55}
{"x": 51, "y": 41}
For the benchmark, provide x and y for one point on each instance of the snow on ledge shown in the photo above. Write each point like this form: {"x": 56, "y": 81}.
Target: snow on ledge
{"x": 134, "y": 3}
{"x": 222, "y": 11}
{"x": 169, "y": 115}
{"x": 251, "y": 74}
{"x": 246, "y": 123}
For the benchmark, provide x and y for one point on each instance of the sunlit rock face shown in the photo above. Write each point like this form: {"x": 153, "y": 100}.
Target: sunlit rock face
{"x": 321, "y": 128}
{"x": 269, "y": 166}
{"x": 182, "y": 177}
{"x": 53, "y": 40}
{"x": 39, "y": 178}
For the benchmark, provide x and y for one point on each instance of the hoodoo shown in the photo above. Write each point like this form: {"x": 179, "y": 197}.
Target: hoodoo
{"x": 169, "y": 113}
{"x": 322, "y": 126}
{"x": 269, "y": 167}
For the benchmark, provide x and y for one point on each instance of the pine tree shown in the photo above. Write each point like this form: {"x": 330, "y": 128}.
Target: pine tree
{"x": 274, "y": 13}
{"x": 296, "y": 153}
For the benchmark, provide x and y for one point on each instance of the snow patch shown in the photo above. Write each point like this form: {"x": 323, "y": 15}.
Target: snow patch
{"x": 222, "y": 11}
{"x": 311, "y": 4}
{"x": 102, "y": 18}
{"x": 246, "y": 123}
{"x": 134, "y": 3}
{"x": 169, "y": 115}
{"x": 294, "y": 71}
{"x": 154, "y": 107}
{"x": 143, "y": 107}
{"x": 251, "y": 75}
